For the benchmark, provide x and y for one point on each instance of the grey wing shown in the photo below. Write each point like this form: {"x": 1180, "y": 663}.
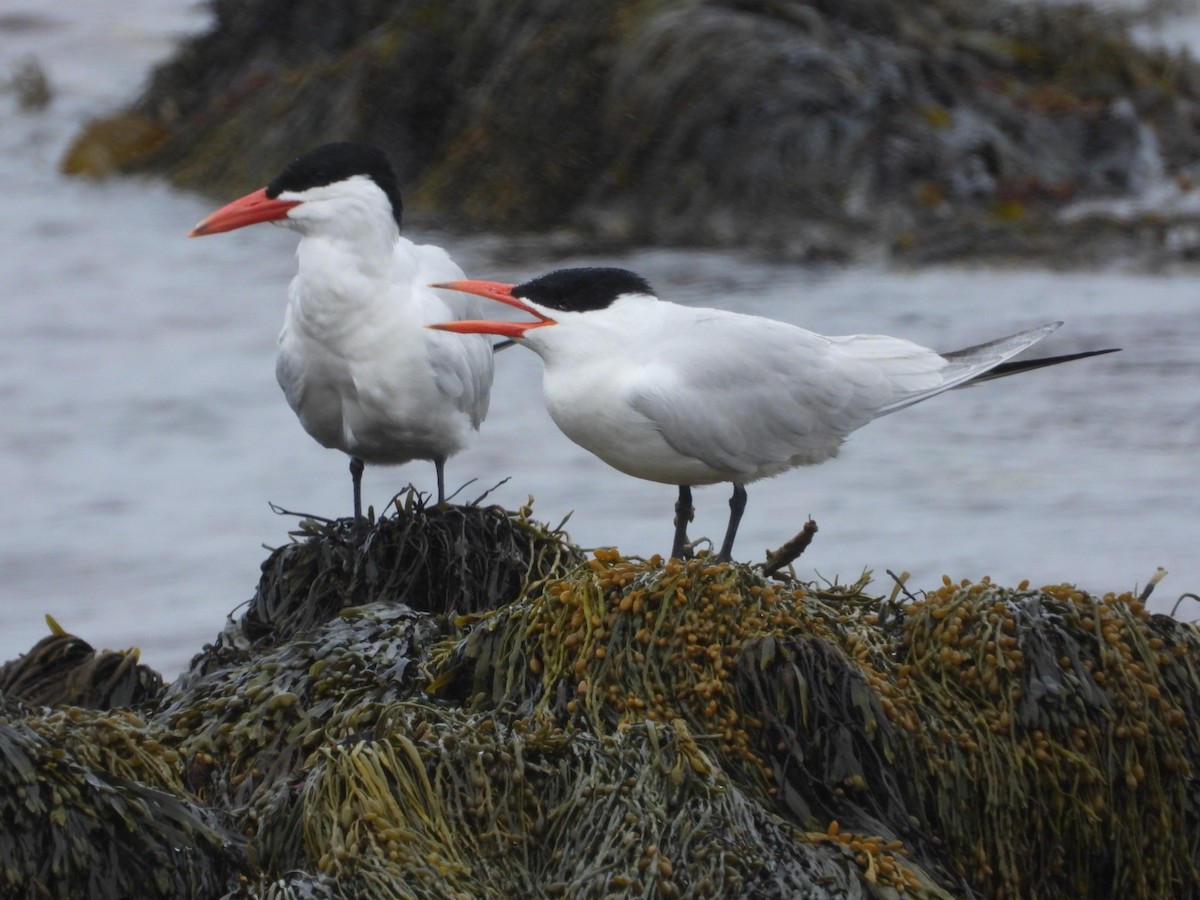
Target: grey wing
{"x": 745, "y": 395}
{"x": 291, "y": 379}
{"x": 290, "y": 371}
{"x": 963, "y": 367}
{"x": 463, "y": 364}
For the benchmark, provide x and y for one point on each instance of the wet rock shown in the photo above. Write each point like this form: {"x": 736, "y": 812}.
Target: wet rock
{"x": 110, "y": 146}
{"x": 31, "y": 85}
{"x": 815, "y": 130}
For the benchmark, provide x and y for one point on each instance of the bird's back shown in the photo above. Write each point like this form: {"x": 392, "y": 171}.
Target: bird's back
{"x": 752, "y": 397}
{"x": 733, "y": 397}
{"x": 685, "y": 395}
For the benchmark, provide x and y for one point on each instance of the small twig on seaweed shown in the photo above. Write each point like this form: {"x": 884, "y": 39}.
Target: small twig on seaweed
{"x": 465, "y": 485}
{"x": 280, "y": 511}
{"x": 900, "y": 579}
{"x": 1182, "y": 597}
{"x": 309, "y": 525}
{"x": 1159, "y": 574}
{"x": 483, "y": 496}
{"x": 558, "y": 529}
{"x": 891, "y": 606}
{"x": 790, "y": 552}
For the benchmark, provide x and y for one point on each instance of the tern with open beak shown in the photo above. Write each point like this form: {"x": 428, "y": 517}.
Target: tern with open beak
{"x": 691, "y": 396}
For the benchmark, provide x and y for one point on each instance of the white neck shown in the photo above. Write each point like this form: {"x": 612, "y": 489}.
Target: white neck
{"x": 348, "y": 243}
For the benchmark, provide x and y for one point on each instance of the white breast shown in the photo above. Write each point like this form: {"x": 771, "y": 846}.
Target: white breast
{"x": 359, "y": 369}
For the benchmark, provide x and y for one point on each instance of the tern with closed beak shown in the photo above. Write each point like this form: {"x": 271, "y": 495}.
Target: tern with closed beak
{"x": 355, "y": 361}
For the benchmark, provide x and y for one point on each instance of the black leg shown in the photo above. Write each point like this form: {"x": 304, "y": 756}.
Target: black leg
{"x": 684, "y": 511}
{"x": 440, "y": 465}
{"x": 737, "y": 506}
{"x": 356, "y": 470}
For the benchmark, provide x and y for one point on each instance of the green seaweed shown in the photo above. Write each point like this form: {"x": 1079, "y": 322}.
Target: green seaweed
{"x": 978, "y": 728}
{"x": 74, "y": 829}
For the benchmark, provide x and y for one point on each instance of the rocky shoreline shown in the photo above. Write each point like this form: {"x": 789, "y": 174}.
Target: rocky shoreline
{"x": 919, "y": 131}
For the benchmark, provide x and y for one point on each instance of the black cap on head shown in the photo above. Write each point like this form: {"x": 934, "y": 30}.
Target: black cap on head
{"x": 332, "y": 163}
{"x": 580, "y": 290}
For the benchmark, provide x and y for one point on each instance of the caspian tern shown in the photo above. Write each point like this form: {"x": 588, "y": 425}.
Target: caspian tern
{"x": 690, "y": 396}
{"x": 355, "y": 363}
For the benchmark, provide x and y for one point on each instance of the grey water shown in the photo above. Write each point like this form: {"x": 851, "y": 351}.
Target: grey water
{"x": 142, "y": 435}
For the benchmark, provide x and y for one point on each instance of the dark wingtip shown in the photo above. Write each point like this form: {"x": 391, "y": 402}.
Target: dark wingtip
{"x": 1028, "y": 365}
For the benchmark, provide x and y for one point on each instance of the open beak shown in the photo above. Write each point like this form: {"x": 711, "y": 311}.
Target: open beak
{"x": 249, "y": 210}
{"x": 493, "y": 290}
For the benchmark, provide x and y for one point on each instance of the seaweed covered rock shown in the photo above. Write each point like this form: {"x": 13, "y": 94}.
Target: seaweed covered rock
{"x": 535, "y": 723}
{"x": 1010, "y": 742}
{"x": 815, "y": 129}
{"x": 94, "y": 807}
{"x": 442, "y": 560}
{"x": 228, "y": 745}
{"x": 620, "y": 641}
{"x": 64, "y": 670}
{"x": 342, "y": 623}
{"x": 440, "y": 803}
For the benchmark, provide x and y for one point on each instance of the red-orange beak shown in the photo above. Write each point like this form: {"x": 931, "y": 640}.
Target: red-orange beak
{"x": 249, "y": 210}
{"x": 493, "y": 290}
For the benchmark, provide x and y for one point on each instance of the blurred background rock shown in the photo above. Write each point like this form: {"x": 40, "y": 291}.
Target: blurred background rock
{"x": 814, "y": 130}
